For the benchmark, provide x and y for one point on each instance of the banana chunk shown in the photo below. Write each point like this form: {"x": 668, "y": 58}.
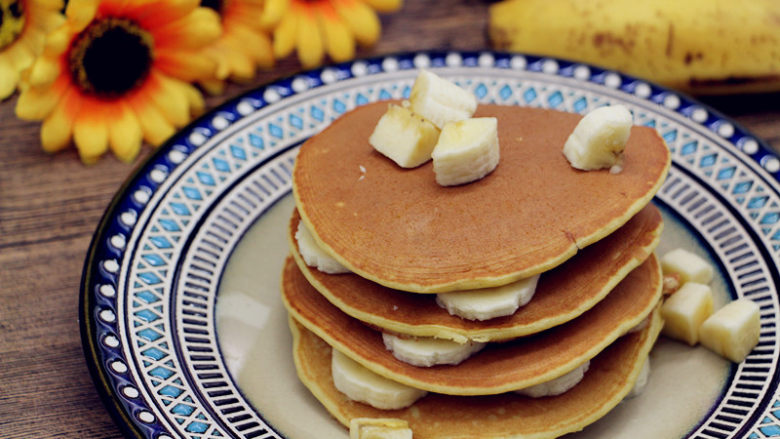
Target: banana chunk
{"x": 379, "y": 428}
{"x": 641, "y": 381}
{"x": 362, "y": 385}
{"x": 404, "y": 137}
{"x": 489, "y": 303}
{"x": 428, "y": 351}
{"x": 685, "y": 311}
{"x": 557, "y": 386}
{"x": 466, "y": 151}
{"x": 314, "y": 255}
{"x": 733, "y": 330}
{"x": 689, "y": 266}
{"x": 599, "y": 139}
{"x": 439, "y": 100}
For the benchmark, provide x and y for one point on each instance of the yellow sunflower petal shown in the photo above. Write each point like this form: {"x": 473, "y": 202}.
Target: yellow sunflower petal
{"x": 256, "y": 44}
{"x": 285, "y": 34}
{"x": 339, "y": 41}
{"x": 57, "y": 128}
{"x": 309, "y": 40}
{"x": 194, "y": 31}
{"x": 154, "y": 125}
{"x": 90, "y": 132}
{"x": 212, "y": 86}
{"x": 194, "y": 98}
{"x": 151, "y": 14}
{"x": 36, "y": 103}
{"x": 171, "y": 103}
{"x": 361, "y": 19}
{"x": 240, "y": 65}
{"x": 273, "y": 12}
{"x": 80, "y": 13}
{"x": 8, "y": 80}
{"x": 186, "y": 65}
{"x": 19, "y": 55}
{"x": 57, "y": 41}
{"x": 44, "y": 71}
{"x": 385, "y": 5}
{"x": 124, "y": 134}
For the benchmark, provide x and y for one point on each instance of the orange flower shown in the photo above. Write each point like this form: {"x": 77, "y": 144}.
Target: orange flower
{"x": 23, "y": 26}
{"x": 118, "y": 72}
{"x": 244, "y": 45}
{"x": 317, "y": 27}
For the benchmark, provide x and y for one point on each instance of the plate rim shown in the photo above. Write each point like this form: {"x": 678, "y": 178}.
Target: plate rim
{"x": 89, "y": 337}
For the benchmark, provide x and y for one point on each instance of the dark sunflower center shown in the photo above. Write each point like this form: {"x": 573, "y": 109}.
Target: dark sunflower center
{"x": 217, "y": 5}
{"x": 12, "y": 21}
{"x": 111, "y": 57}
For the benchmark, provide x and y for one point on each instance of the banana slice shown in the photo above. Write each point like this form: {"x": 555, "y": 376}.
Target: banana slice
{"x": 428, "y": 351}
{"x": 599, "y": 139}
{"x": 557, "y": 386}
{"x": 641, "y": 380}
{"x": 689, "y": 266}
{"x": 733, "y": 330}
{"x": 379, "y": 428}
{"x": 314, "y": 255}
{"x": 404, "y": 137}
{"x": 362, "y": 385}
{"x": 685, "y": 310}
{"x": 466, "y": 151}
{"x": 489, "y": 303}
{"x": 439, "y": 100}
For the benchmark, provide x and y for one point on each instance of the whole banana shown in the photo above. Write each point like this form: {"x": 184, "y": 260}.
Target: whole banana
{"x": 698, "y": 46}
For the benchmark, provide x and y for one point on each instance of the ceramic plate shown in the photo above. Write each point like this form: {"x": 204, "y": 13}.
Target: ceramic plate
{"x": 182, "y": 324}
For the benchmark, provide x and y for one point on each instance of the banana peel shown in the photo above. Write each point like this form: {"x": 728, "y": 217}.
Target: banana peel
{"x": 703, "y": 47}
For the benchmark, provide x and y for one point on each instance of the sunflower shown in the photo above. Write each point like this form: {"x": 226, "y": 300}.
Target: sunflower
{"x": 23, "y": 26}
{"x": 244, "y": 45}
{"x": 117, "y": 72}
{"x": 333, "y": 26}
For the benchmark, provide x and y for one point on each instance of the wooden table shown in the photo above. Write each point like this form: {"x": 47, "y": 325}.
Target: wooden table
{"x": 50, "y": 206}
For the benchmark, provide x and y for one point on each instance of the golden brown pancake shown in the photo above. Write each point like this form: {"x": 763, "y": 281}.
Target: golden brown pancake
{"x": 561, "y": 295}
{"x": 610, "y": 377}
{"x": 500, "y": 367}
{"x": 399, "y": 228}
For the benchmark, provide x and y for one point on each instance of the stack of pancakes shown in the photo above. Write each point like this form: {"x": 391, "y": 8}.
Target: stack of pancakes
{"x": 591, "y": 235}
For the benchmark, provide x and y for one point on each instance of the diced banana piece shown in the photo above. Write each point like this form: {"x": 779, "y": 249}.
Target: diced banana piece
{"x": 313, "y": 255}
{"x": 599, "y": 139}
{"x": 733, "y": 330}
{"x": 379, "y": 428}
{"x": 690, "y": 266}
{"x": 362, "y": 385}
{"x": 640, "y": 326}
{"x": 404, "y": 137}
{"x": 428, "y": 351}
{"x": 439, "y": 100}
{"x": 558, "y": 385}
{"x": 489, "y": 303}
{"x": 685, "y": 310}
{"x": 466, "y": 151}
{"x": 641, "y": 380}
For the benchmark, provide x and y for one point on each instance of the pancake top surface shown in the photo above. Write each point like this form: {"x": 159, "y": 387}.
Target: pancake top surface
{"x": 399, "y": 228}
{"x": 610, "y": 377}
{"x": 561, "y": 295}
{"x": 500, "y": 367}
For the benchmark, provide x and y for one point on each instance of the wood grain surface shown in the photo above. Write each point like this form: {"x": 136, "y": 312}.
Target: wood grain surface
{"x": 50, "y": 206}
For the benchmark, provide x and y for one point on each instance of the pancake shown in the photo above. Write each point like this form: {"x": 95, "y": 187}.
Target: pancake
{"x": 610, "y": 377}
{"x": 561, "y": 295}
{"x": 499, "y": 367}
{"x": 399, "y": 228}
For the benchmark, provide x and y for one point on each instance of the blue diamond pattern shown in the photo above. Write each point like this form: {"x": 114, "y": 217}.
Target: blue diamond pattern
{"x": 481, "y": 91}
{"x": 147, "y": 315}
{"x": 160, "y": 242}
{"x": 317, "y": 113}
{"x": 237, "y": 152}
{"x": 180, "y": 209}
{"x": 150, "y": 278}
{"x": 555, "y": 99}
{"x": 256, "y": 141}
{"x": 169, "y": 225}
{"x": 339, "y": 106}
{"x": 505, "y": 92}
{"x": 192, "y": 193}
{"x": 221, "y": 165}
{"x": 529, "y": 95}
{"x": 580, "y": 105}
{"x": 296, "y": 121}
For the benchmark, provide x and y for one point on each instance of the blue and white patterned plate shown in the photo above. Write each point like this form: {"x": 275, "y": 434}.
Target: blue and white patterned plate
{"x": 180, "y": 317}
